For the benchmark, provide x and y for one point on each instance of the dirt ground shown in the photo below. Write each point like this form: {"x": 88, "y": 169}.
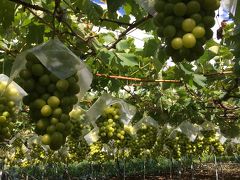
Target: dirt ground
{"x": 228, "y": 171}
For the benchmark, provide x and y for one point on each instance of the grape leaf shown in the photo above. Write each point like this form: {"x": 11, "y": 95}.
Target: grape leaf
{"x": 6, "y": 14}
{"x": 106, "y": 56}
{"x": 127, "y": 59}
{"x": 150, "y": 47}
{"x": 199, "y": 79}
{"x": 35, "y": 34}
{"x": 123, "y": 45}
{"x": 113, "y": 6}
{"x": 237, "y": 14}
{"x": 191, "y": 76}
{"x": 94, "y": 12}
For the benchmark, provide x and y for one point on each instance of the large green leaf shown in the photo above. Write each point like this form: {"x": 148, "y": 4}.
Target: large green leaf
{"x": 106, "y": 56}
{"x": 206, "y": 57}
{"x": 107, "y": 38}
{"x": 113, "y": 6}
{"x": 35, "y": 33}
{"x": 123, "y": 45}
{"x": 237, "y": 15}
{"x": 94, "y": 12}
{"x": 133, "y": 8}
{"x": 6, "y": 14}
{"x": 128, "y": 8}
{"x": 186, "y": 68}
{"x": 199, "y": 79}
{"x": 150, "y": 47}
{"x": 191, "y": 77}
{"x": 114, "y": 85}
{"x": 127, "y": 59}
{"x": 236, "y": 67}
{"x": 6, "y": 63}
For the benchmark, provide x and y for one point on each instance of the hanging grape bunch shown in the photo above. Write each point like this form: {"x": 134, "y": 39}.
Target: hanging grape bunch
{"x": 209, "y": 142}
{"x": 50, "y": 100}
{"x": 78, "y": 147}
{"x": 79, "y": 122}
{"x": 180, "y": 146}
{"x": 185, "y": 25}
{"x": 96, "y": 152}
{"x": 8, "y": 96}
{"x": 110, "y": 125}
{"x": 206, "y": 143}
{"x": 159, "y": 146}
{"x": 146, "y": 136}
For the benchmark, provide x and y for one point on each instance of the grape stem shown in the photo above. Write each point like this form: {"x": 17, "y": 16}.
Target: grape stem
{"x": 36, "y": 7}
{"x": 57, "y": 5}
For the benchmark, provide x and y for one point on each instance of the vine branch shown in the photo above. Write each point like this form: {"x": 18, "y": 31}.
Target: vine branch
{"x": 117, "y": 22}
{"x": 218, "y": 102}
{"x": 156, "y": 80}
{"x": 219, "y": 73}
{"x": 132, "y": 26}
{"x": 138, "y": 79}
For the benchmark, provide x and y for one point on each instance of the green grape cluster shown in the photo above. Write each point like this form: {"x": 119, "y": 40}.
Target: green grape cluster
{"x": 8, "y": 96}
{"x": 206, "y": 143}
{"x": 110, "y": 125}
{"x": 50, "y": 99}
{"x": 209, "y": 143}
{"x": 145, "y": 139}
{"x": 185, "y": 25}
{"x": 96, "y": 152}
{"x": 79, "y": 122}
{"x": 159, "y": 146}
{"x": 179, "y": 146}
{"x": 78, "y": 147}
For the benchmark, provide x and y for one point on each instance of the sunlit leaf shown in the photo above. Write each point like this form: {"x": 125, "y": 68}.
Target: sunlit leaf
{"x": 127, "y": 59}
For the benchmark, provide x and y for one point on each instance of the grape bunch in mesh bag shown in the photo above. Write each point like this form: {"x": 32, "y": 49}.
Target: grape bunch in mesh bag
{"x": 110, "y": 125}
{"x": 50, "y": 99}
